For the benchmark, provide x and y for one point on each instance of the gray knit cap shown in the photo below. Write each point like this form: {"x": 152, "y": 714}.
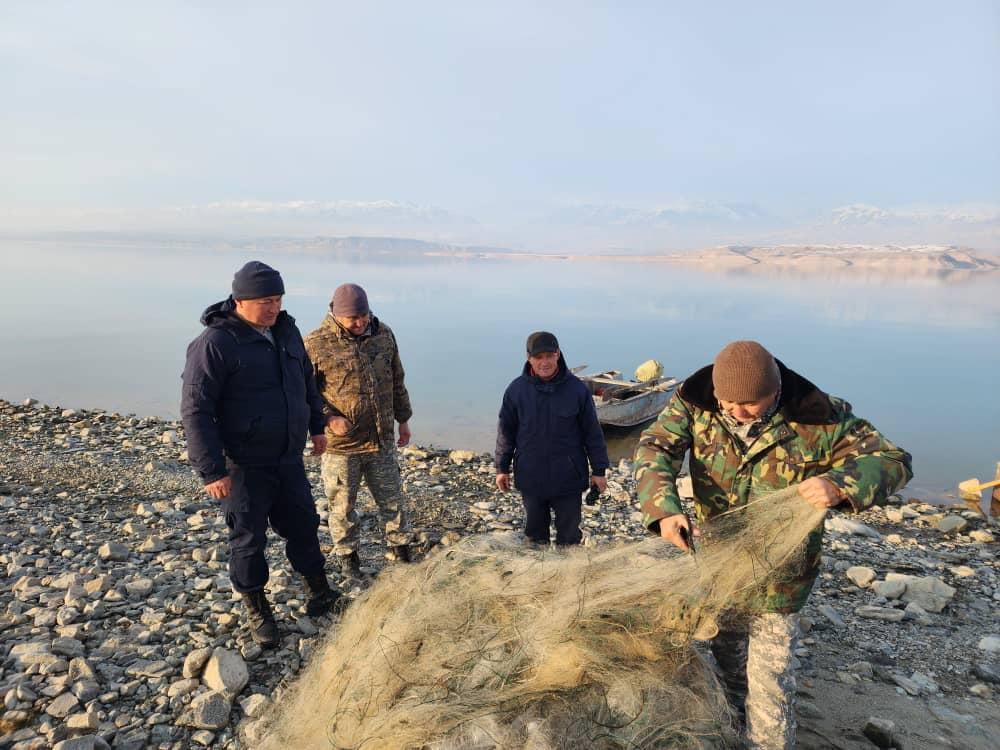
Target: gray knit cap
{"x": 745, "y": 371}
{"x": 348, "y": 301}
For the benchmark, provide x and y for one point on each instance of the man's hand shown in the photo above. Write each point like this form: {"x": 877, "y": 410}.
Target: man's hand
{"x": 503, "y": 482}
{"x": 220, "y": 488}
{"x": 319, "y": 444}
{"x": 404, "y": 434}
{"x": 820, "y": 492}
{"x": 600, "y": 483}
{"x": 670, "y": 529}
{"x": 339, "y": 425}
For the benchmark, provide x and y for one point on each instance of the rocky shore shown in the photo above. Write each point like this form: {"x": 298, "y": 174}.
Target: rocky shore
{"x": 119, "y": 628}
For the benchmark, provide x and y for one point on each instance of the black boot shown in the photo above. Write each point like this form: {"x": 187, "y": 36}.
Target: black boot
{"x": 400, "y": 552}
{"x": 322, "y": 599}
{"x": 350, "y": 566}
{"x": 260, "y": 619}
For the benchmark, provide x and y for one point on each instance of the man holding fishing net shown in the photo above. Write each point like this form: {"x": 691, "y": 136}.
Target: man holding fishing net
{"x": 752, "y": 426}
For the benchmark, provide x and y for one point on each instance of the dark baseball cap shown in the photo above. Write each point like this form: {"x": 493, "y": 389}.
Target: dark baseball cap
{"x": 540, "y": 342}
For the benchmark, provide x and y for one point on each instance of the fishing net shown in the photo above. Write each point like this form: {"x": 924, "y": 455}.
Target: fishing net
{"x": 489, "y": 645}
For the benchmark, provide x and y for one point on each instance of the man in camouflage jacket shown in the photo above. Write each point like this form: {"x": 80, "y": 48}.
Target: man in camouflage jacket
{"x": 360, "y": 377}
{"x": 752, "y": 426}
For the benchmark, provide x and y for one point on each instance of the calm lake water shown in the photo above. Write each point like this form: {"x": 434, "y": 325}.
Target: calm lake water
{"x": 92, "y": 326}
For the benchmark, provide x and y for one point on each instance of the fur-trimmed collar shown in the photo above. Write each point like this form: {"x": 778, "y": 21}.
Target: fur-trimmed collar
{"x": 800, "y": 401}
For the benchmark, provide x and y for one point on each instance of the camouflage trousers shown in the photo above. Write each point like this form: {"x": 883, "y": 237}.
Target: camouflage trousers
{"x": 342, "y": 475}
{"x": 757, "y": 665}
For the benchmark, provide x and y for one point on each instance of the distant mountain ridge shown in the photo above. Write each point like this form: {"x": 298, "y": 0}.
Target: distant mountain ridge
{"x": 809, "y": 258}
{"x": 942, "y": 257}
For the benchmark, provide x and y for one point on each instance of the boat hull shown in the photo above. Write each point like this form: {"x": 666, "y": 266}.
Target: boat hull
{"x": 621, "y": 403}
{"x": 634, "y": 411}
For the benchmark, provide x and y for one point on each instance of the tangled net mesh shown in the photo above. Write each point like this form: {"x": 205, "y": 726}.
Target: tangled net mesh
{"x": 488, "y": 645}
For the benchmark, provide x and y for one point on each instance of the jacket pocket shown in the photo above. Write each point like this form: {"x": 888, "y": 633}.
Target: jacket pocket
{"x": 566, "y": 421}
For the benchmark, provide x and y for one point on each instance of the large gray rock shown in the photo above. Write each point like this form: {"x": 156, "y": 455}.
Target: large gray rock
{"x": 889, "y": 589}
{"x": 226, "y": 672}
{"x": 930, "y": 592}
{"x": 207, "y": 711}
{"x": 951, "y": 524}
{"x": 842, "y": 525}
{"x": 880, "y": 613}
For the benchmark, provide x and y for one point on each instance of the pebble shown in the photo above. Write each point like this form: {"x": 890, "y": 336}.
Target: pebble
{"x": 207, "y": 711}
{"x": 860, "y": 575}
{"x": 226, "y": 672}
{"x": 951, "y": 524}
{"x": 990, "y": 644}
{"x": 881, "y": 732}
{"x": 880, "y": 613}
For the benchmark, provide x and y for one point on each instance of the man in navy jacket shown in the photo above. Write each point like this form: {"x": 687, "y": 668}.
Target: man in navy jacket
{"x": 249, "y": 399}
{"x": 548, "y": 431}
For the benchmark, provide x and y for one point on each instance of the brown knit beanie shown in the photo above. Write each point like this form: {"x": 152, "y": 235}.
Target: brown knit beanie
{"x": 349, "y": 300}
{"x": 744, "y": 371}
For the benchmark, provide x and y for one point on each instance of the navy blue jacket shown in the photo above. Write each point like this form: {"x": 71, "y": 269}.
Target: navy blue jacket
{"x": 549, "y": 431}
{"x": 244, "y": 398}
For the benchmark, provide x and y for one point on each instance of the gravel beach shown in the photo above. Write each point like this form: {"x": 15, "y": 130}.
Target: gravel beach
{"x": 119, "y": 628}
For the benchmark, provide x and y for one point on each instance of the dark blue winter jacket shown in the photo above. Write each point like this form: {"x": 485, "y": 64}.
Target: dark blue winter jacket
{"x": 245, "y": 398}
{"x": 549, "y": 431}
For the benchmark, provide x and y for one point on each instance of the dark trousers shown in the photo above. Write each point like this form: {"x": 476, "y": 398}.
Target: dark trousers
{"x": 279, "y": 495}
{"x": 538, "y": 515}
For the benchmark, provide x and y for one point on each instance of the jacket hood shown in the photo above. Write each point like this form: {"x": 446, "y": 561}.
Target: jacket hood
{"x": 223, "y": 315}
{"x": 800, "y": 401}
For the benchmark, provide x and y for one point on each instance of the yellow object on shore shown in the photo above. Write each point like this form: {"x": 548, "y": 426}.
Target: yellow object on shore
{"x": 651, "y": 369}
{"x": 973, "y": 487}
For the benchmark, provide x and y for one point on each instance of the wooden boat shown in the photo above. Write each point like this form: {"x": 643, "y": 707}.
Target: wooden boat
{"x": 626, "y": 403}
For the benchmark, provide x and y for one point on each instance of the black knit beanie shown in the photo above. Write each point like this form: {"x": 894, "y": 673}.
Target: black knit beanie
{"x": 256, "y": 280}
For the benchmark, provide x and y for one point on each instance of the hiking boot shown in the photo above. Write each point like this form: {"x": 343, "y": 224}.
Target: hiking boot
{"x": 350, "y": 566}
{"x": 260, "y": 619}
{"x": 399, "y": 553}
{"x": 322, "y": 599}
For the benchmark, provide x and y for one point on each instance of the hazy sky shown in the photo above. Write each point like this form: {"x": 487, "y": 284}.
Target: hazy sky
{"x": 540, "y": 125}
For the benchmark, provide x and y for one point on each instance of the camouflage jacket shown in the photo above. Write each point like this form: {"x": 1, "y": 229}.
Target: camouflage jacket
{"x": 810, "y": 434}
{"x": 360, "y": 378}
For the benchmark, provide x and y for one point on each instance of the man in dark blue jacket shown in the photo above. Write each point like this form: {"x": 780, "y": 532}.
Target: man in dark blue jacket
{"x": 249, "y": 400}
{"x": 548, "y": 430}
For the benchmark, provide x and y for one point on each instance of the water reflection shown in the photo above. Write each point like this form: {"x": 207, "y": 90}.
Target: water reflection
{"x": 92, "y": 326}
